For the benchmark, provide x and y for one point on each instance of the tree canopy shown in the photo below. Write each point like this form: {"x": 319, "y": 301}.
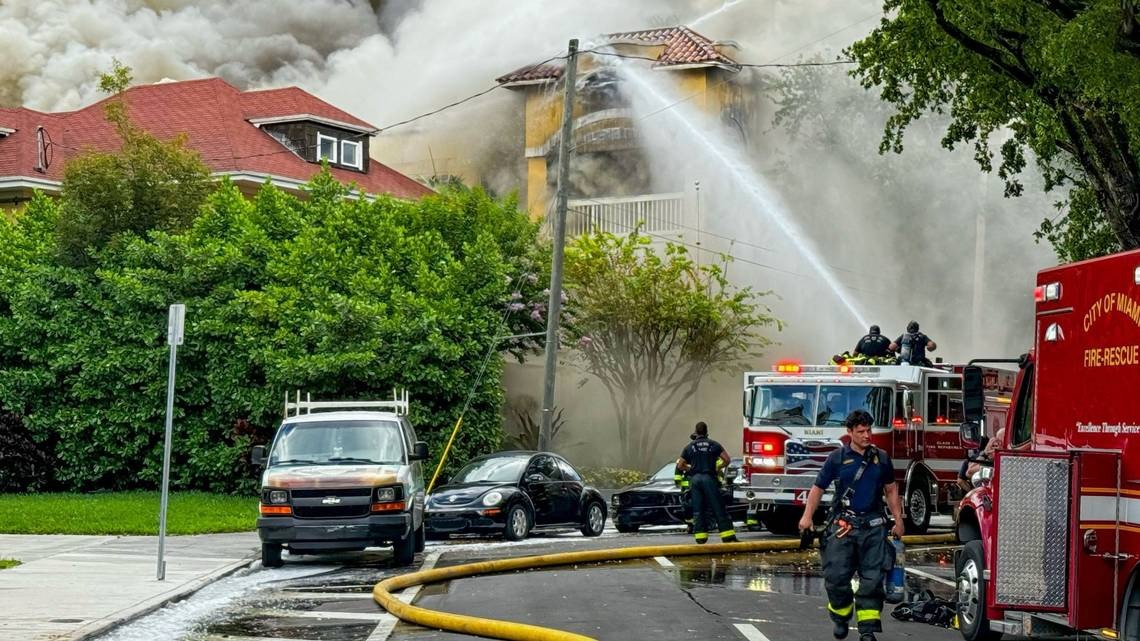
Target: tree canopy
{"x": 650, "y": 323}
{"x": 1051, "y": 80}
{"x": 341, "y": 297}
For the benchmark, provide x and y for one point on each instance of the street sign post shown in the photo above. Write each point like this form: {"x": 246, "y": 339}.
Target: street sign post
{"x": 174, "y": 326}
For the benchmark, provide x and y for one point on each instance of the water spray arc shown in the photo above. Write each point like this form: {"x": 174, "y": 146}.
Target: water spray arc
{"x": 738, "y": 169}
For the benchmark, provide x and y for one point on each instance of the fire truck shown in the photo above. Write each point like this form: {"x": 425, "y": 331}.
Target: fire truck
{"x": 1051, "y": 533}
{"x": 793, "y": 419}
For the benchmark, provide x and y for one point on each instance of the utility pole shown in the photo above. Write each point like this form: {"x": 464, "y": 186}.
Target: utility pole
{"x": 554, "y": 308}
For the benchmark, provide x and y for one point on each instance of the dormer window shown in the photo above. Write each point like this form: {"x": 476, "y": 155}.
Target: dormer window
{"x": 326, "y": 148}
{"x": 350, "y": 154}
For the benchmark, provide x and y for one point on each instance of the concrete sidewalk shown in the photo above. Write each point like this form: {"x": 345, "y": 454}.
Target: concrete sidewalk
{"x": 75, "y": 587}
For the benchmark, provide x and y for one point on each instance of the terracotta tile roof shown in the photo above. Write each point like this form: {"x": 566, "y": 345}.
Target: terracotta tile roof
{"x": 213, "y": 115}
{"x": 682, "y": 46}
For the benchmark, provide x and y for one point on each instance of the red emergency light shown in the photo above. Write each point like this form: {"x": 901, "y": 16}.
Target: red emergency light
{"x": 844, "y": 369}
{"x": 1045, "y": 293}
{"x": 898, "y": 422}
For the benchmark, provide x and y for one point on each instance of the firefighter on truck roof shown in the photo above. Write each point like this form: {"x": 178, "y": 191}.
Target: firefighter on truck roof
{"x": 699, "y": 459}
{"x": 855, "y": 538}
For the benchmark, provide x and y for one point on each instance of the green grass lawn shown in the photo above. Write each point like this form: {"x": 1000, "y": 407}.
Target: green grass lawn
{"x": 8, "y": 563}
{"x": 125, "y": 513}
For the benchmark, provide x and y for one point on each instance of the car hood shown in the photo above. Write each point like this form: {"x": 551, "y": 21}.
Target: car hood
{"x": 450, "y": 495}
{"x": 330, "y": 476}
{"x": 651, "y": 485}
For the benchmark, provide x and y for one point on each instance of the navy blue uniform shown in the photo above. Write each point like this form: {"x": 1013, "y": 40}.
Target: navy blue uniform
{"x": 863, "y": 548}
{"x": 873, "y": 345}
{"x": 704, "y": 488}
{"x": 912, "y": 348}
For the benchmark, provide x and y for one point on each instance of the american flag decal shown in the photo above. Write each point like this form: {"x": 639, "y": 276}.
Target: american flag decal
{"x": 807, "y": 457}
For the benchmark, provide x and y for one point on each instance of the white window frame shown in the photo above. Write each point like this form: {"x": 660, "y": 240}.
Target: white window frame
{"x": 359, "y": 164}
{"x": 335, "y": 147}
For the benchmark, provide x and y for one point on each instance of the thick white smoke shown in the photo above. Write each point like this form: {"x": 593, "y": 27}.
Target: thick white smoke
{"x": 898, "y": 232}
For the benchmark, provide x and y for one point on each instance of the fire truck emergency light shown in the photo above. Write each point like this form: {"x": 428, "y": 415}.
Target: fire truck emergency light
{"x": 788, "y": 368}
{"x": 1045, "y": 293}
{"x": 1136, "y": 276}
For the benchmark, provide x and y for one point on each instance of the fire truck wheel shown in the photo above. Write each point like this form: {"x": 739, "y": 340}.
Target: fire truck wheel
{"x": 972, "y": 621}
{"x": 916, "y": 507}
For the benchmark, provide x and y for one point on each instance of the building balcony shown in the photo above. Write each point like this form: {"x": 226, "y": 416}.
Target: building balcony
{"x": 655, "y": 213}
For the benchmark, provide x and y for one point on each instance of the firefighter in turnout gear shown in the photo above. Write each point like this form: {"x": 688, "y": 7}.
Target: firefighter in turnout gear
{"x": 855, "y": 537}
{"x": 873, "y": 345}
{"x": 699, "y": 461}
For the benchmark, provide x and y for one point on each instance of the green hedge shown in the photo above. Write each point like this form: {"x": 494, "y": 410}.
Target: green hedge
{"x": 611, "y": 477}
{"x": 340, "y": 297}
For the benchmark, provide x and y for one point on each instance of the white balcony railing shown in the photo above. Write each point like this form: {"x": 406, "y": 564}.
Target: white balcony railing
{"x": 620, "y": 215}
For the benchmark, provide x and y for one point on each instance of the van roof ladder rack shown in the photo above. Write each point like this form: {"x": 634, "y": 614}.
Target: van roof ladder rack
{"x": 399, "y": 404}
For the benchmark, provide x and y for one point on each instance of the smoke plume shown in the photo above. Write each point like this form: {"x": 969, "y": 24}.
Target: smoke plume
{"x": 897, "y": 232}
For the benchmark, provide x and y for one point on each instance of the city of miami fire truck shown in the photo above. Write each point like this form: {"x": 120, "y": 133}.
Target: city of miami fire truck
{"x": 793, "y": 418}
{"x": 1051, "y": 533}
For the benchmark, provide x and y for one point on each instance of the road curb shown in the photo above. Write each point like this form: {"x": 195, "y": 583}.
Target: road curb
{"x": 512, "y": 631}
{"x": 125, "y": 616}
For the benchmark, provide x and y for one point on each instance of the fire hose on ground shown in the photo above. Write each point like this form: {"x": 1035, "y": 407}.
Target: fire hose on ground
{"x": 495, "y": 629}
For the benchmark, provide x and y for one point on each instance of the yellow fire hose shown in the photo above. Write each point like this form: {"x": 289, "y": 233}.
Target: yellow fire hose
{"x": 512, "y": 631}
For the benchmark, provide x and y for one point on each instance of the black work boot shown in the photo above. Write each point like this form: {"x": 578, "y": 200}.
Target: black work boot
{"x": 840, "y": 631}
{"x": 867, "y": 636}
{"x": 730, "y": 539}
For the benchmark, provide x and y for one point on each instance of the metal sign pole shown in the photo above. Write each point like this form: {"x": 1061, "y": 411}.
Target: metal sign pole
{"x": 174, "y": 326}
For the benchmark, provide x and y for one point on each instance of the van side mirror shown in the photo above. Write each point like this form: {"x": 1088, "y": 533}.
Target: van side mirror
{"x": 419, "y": 451}
{"x": 973, "y": 394}
{"x": 257, "y": 455}
{"x": 971, "y": 434}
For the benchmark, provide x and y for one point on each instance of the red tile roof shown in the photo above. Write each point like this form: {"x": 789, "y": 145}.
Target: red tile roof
{"x": 683, "y": 46}
{"x": 213, "y": 115}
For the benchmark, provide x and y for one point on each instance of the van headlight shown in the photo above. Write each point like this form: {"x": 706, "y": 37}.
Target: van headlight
{"x": 278, "y": 496}
{"x": 385, "y": 494}
{"x": 492, "y": 498}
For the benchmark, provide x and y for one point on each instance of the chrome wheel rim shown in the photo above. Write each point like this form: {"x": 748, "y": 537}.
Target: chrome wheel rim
{"x": 917, "y": 507}
{"x": 518, "y": 523}
{"x": 968, "y": 589}
{"x": 596, "y": 518}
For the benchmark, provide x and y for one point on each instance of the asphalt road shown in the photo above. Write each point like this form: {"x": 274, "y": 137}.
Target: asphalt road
{"x": 778, "y": 597}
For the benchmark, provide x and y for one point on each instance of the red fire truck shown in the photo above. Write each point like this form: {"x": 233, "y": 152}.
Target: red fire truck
{"x": 793, "y": 418}
{"x": 1051, "y": 535}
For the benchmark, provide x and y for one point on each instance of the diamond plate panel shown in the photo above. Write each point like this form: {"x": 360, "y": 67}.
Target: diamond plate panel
{"x": 1032, "y": 541}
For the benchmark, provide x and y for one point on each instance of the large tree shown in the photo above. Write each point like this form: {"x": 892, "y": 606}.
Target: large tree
{"x": 1056, "y": 78}
{"x": 650, "y": 323}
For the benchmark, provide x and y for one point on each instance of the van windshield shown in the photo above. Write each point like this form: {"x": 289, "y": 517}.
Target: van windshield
{"x": 338, "y": 442}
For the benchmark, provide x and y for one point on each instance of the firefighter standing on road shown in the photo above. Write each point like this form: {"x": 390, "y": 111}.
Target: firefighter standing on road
{"x": 855, "y": 539}
{"x": 699, "y": 460}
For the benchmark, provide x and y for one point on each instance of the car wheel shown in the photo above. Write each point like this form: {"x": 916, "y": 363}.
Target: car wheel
{"x": 970, "y": 569}
{"x": 404, "y": 550}
{"x": 518, "y": 524}
{"x": 595, "y": 520}
{"x": 271, "y": 555}
{"x": 626, "y": 527}
{"x": 421, "y": 539}
{"x": 917, "y": 509}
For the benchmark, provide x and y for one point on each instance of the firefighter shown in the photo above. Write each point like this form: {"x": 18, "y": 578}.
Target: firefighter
{"x": 873, "y": 345}
{"x": 855, "y": 537}
{"x": 913, "y": 345}
{"x": 699, "y": 459}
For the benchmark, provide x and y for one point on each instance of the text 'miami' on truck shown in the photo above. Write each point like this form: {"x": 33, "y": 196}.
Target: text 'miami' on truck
{"x": 339, "y": 476}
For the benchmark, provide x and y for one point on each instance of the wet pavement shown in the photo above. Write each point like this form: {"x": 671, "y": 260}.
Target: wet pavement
{"x": 773, "y": 596}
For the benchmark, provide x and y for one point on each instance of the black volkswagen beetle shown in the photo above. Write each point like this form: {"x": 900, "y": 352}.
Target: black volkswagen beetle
{"x": 658, "y": 501}
{"x": 511, "y": 493}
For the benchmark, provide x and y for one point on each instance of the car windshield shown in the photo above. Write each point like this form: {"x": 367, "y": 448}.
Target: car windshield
{"x": 338, "y": 442}
{"x": 496, "y": 469}
{"x": 665, "y": 473}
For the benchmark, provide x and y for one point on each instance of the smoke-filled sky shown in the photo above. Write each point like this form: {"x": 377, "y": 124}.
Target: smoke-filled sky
{"x": 897, "y": 232}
